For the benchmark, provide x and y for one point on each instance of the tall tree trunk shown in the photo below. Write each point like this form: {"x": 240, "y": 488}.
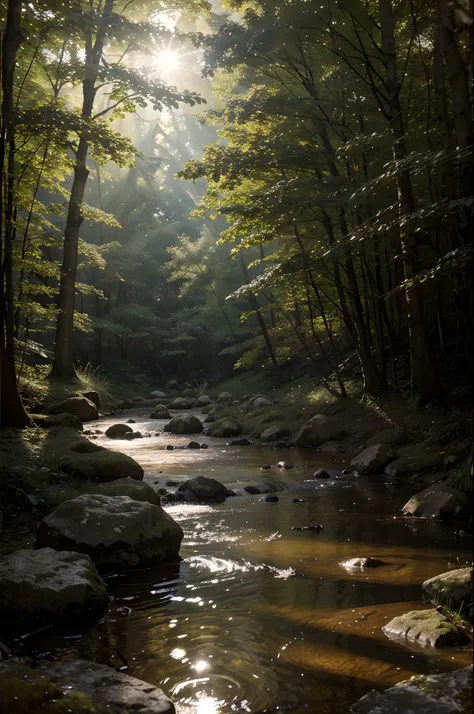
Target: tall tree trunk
{"x": 63, "y": 364}
{"x": 424, "y": 378}
{"x": 12, "y": 412}
{"x": 253, "y": 302}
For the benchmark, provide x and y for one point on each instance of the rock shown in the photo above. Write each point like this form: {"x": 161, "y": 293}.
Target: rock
{"x": 435, "y": 500}
{"x": 157, "y": 394}
{"x": 313, "y": 528}
{"x": 224, "y": 398}
{"x": 213, "y": 415}
{"x": 209, "y": 408}
{"x": 105, "y": 688}
{"x": 204, "y": 489}
{"x": 252, "y": 490}
{"x": 373, "y": 459}
{"x": 321, "y": 473}
{"x": 138, "y": 400}
{"x": 285, "y": 465}
{"x": 204, "y": 446}
{"x": 261, "y": 401}
{"x": 131, "y": 435}
{"x": 243, "y": 441}
{"x": 270, "y": 498}
{"x": 137, "y": 490}
{"x": 263, "y": 485}
{"x": 40, "y": 586}
{"x": 194, "y": 445}
{"x": 189, "y": 392}
{"x": 118, "y": 431}
{"x": 93, "y": 397}
{"x": 318, "y": 430}
{"x": 227, "y": 426}
{"x": 204, "y": 400}
{"x": 392, "y": 437}
{"x": 453, "y": 588}
{"x": 160, "y": 414}
{"x": 116, "y": 531}
{"x": 331, "y": 447}
{"x": 281, "y": 445}
{"x": 172, "y": 483}
{"x": 416, "y": 458}
{"x": 361, "y": 563}
{"x": 184, "y": 424}
{"x": 65, "y": 420}
{"x": 172, "y": 384}
{"x": 346, "y": 472}
{"x": 427, "y": 627}
{"x": 85, "y": 447}
{"x": 265, "y": 467}
{"x": 102, "y": 465}
{"x": 180, "y": 403}
{"x": 298, "y": 500}
{"x": 80, "y": 407}
{"x": 130, "y": 421}
{"x": 446, "y": 693}
{"x": 273, "y": 433}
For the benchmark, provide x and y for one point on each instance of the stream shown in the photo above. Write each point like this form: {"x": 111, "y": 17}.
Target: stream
{"x": 259, "y": 617}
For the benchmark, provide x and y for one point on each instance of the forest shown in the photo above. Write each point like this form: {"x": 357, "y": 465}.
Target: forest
{"x": 262, "y": 209}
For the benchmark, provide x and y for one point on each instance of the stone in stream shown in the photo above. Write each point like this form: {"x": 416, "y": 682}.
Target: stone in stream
{"x": 138, "y": 490}
{"x": 314, "y": 529}
{"x": 100, "y": 465}
{"x": 265, "y": 467}
{"x": 226, "y": 426}
{"x": 184, "y": 424}
{"x": 434, "y": 500}
{"x": 161, "y": 412}
{"x": 318, "y": 430}
{"x": 105, "y": 689}
{"x": 453, "y": 588}
{"x": 269, "y": 498}
{"x": 285, "y": 465}
{"x": 172, "y": 483}
{"x": 194, "y": 445}
{"x": 92, "y": 396}
{"x": 299, "y": 500}
{"x": 80, "y": 407}
{"x": 157, "y": 394}
{"x": 446, "y": 693}
{"x": 116, "y": 531}
{"x": 41, "y": 586}
{"x": 180, "y": 403}
{"x": 361, "y": 563}
{"x": 427, "y": 627}
{"x": 129, "y": 421}
{"x": 243, "y": 441}
{"x": 204, "y": 446}
{"x": 274, "y": 433}
{"x": 204, "y": 489}
{"x": 131, "y": 435}
{"x": 373, "y": 459}
{"x": 321, "y": 473}
{"x": 118, "y": 431}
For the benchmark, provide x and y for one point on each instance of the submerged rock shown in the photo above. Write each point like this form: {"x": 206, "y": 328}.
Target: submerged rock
{"x": 40, "y": 586}
{"x": 373, "y": 459}
{"x": 118, "y": 431}
{"x": 80, "y": 407}
{"x": 285, "y": 465}
{"x": 184, "y": 424}
{"x": 227, "y": 426}
{"x": 269, "y": 498}
{"x": 427, "y": 627}
{"x": 435, "y": 500}
{"x": 102, "y": 465}
{"x": 104, "y": 687}
{"x": 318, "y": 430}
{"x": 453, "y": 588}
{"x": 361, "y": 563}
{"x": 446, "y": 693}
{"x": 116, "y": 531}
{"x": 243, "y": 441}
{"x": 204, "y": 489}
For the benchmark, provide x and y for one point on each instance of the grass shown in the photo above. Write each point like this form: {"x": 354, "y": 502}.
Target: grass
{"x": 28, "y": 696}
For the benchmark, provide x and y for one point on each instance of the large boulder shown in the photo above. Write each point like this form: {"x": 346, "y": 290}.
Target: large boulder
{"x": 427, "y": 627}
{"x": 436, "y": 500}
{"x": 116, "y": 531}
{"x": 392, "y": 436}
{"x": 180, "y": 403}
{"x": 227, "y": 426}
{"x": 64, "y": 420}
{"x": 80, "y": 407}
{"x": 157, "y": 394}
{"x": 224, "y": 398}
{"x": 373, "y": 459}
{"x": 274, "y": 433}
{"x": 204, "y": 400}
{"x": 137, "y": 490}
{"x": 40, "y": 586}
{"x": 204, "y": 489}
{"x": 103, "y": 466}
{"x": 84, "y": 686}
{"x": 415, "y": 459}
{"x": 118, "y": 431}
{"x": 446, "y": 693}
{"x": 184, "y": 424}
{"x": 93, "y": 396}
{"x": 318, "y": 430}
{"x": 453, "y": 588}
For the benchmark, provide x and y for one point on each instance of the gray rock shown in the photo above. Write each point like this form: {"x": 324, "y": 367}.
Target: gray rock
{"x": 392, "y": 436}
{"x": 224, "y": 398}
{"x": 118, "y": 431}
{"x": 38, "y": 586}
{"x": 416, "y": 458}
{"x": 80, "y": 407}
{"x": 189, "y": 393}
{"x": 116, "y": 531}
{"x": 434, "y": 500}
{"x": 269, "y": 498}
{"x": 274, "y": 433}
{"x": 321, "y": 473}
{"x": 226, "y": 426}
{"x": 160, "y": 414}
{"x": 209, "y": 408}
{"x": 330, "y": 447}
{"x": 204, "y": 489}
{"x": 373, "y": 459}
{"x": 138, "y": 400}
{"x": 427, "y": 627}
{"x": 261, "y": 401}
{"x": 157, "y": 394}
{"x": 285, "y": 465}
{"x": 137, "y": 490}
{"x": 446, "y": 693}
{"x": 93, "y": 396}
{"x": 453, "y": 588}
{"x": 172, "y": 384}
{"x": 184, "y": 424}
{"x": 213, "y": 415}
{"x": 204, "y": 400}
{"x": 243, "y": 441}
{"x": 318, "y": 430}
{"x": 361, "y": 563}
{"x": 194, "y": 445}
{"x": 180, "y": 403}
{"x": 65, "y": 420}
{"x": 102, "y": 465}
{"x": 105, "y": 688}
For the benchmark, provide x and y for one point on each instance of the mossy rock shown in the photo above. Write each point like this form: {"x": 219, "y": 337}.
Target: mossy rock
{"x": 453, "y": 588}
{"x": 101, "y": 466}
{"x": 225, "y": 427}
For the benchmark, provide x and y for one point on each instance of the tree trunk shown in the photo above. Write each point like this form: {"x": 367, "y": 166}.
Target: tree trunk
{"x": 12, "y": 412}
{"x": 253, "y": 302}
{"x": 424, "y": 378}
{"x": 63, "y": 364}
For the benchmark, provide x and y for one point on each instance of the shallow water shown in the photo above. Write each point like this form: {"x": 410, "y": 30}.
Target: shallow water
{"x": 259, "y": 617}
